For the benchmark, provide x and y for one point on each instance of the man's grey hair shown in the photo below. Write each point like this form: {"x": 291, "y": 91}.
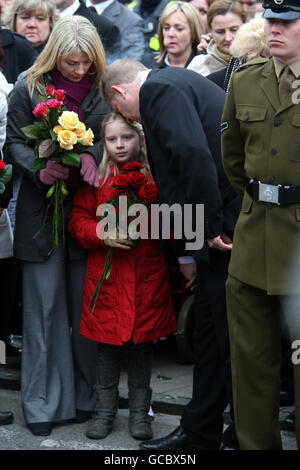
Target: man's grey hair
{"x": 120, "y": 71}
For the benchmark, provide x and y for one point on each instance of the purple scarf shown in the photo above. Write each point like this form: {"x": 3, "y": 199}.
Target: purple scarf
{"x": 75, "y": 91}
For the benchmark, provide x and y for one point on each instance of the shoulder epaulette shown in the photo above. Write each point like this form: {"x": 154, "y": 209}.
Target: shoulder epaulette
{"x": 250, "y": 63}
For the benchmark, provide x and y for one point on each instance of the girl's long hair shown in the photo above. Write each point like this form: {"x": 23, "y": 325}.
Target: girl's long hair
{"x": 107, "y": 166}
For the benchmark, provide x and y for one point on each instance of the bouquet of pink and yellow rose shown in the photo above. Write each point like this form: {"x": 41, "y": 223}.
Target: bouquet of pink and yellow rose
{"x": 59, "y": 136}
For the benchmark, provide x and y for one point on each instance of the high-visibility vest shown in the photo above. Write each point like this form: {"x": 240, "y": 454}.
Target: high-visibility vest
{"x": 153, "y": 40}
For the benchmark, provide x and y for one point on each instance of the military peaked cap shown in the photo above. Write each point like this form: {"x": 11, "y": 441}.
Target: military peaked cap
{"x": 281, "y": 9}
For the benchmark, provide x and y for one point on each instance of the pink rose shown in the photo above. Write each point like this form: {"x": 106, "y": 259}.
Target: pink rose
{"x": 54, "y": 104}
{"x": 40, "y": 110}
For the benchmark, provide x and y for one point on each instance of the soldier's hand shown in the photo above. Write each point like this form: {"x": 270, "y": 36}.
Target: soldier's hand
{"x": 222, "y": 242}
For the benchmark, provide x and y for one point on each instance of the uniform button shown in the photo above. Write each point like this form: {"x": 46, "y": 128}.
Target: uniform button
{"x": 146, "y": 276}
{"x": 277, "y": 122}
{"x": 273, "y": 151}
{"x": 246, "y": 117}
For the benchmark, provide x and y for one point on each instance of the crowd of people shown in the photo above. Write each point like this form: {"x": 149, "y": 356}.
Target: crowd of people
{"x": 171, "y": 102}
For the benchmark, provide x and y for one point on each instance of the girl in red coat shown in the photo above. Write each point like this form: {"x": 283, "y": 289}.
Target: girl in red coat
{"x": 134, "y": 305}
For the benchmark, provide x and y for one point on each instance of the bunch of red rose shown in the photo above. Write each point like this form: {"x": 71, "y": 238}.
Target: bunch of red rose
{"x": 133, "y": 182}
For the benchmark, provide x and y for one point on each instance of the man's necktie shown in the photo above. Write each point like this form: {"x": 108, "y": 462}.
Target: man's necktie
{"x": 286, "y": 79}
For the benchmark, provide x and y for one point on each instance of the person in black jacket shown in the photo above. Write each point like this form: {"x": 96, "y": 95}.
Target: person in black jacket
{"x": 109, "y": 33}
{"x": 19, "y": 54}
{"x": 181, "y": 114}
{"x": 33, "y": 19}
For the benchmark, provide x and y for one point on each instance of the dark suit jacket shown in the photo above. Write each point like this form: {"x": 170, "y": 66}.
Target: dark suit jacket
{"x": 131, "y": 29}
{"x": 19, "y": 54}
{"x": 218, "y": 77}
{"x": 181, "y": 115}
{"x": 108, "y": 31}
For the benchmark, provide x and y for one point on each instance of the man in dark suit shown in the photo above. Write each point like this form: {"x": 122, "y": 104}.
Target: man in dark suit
{"x": 129, "y": 23}
{"x": 181, "y": 113}
{"x": 108, "y": 31}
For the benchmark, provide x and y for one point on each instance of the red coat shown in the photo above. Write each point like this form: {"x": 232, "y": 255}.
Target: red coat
{"x": 136, "y": 300}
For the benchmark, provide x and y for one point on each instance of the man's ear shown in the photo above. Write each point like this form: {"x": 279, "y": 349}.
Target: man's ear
{"x": 119, "y": 89}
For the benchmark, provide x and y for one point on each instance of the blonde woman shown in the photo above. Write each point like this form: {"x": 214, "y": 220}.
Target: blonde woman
{"x": 179, "y": 32}
{"x": 33, "y": 19}
{"x": 52, "y": 279}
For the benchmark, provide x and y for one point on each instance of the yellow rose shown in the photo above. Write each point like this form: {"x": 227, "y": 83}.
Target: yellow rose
{"x": 80, "y": 130}
{"x": 67, "y": 139}
{"x": 56, "y": 129}
{"x": 87, "y": 139}
{"x": 69, "y": 120}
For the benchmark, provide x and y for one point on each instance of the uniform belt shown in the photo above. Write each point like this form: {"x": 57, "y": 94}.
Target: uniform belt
{"x": 273, "y": 194}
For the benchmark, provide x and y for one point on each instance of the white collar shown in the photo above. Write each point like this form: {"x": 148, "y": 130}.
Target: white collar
{"x": 69, "y": 11}
{"x": 100, "y": 7}
{"x": 143, "y": 75}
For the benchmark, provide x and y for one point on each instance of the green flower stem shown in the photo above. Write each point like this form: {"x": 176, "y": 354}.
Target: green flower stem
{"x": 105, "y": 273}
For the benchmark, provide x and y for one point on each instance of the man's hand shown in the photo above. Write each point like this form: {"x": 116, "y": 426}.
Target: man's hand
{"x": 188, "y": 270}
{"x": 222, "y": 243}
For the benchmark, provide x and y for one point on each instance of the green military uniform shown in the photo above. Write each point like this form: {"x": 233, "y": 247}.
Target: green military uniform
{"x": 261, "y": 142}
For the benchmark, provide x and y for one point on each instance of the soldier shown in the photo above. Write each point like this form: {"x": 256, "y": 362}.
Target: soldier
{"x": 260, "y": 140}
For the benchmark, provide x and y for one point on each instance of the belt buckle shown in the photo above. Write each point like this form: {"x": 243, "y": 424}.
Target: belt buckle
{"x": 268, "y": 193}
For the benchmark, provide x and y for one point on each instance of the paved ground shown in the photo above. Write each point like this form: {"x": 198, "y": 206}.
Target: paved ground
{"x": 172, "y": 389}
